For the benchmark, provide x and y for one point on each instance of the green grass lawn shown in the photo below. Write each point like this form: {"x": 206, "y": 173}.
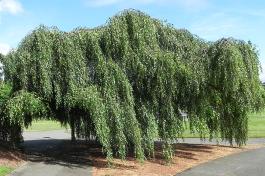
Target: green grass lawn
{"x": 5, "y": 170}
{"x": 256, "y": 126}
{"x": 45, "y": 125}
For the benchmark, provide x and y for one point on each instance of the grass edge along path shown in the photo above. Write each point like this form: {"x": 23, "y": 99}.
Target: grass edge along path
{"x": 10, "y": 159}
{"x": 4, "y": 170}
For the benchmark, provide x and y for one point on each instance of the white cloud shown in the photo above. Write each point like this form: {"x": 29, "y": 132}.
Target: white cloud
{"x": 11, "y": 6}
{"x": 218, "y": 25}
{"x": 257, "y": 13}
{"x": 99, "y": 3}
{"x": 193, "y": 3}
{"x": 4, "y": 48}
{"x": 183, "y": 3}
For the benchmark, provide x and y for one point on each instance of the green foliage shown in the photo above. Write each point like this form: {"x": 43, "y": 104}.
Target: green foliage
{"x": 23, "y": 108}
{"x": 1, "y": 57}
{"x": 17, "y": 111}
{"x": 234, "y": 87}
{"x": 86, "y": 105}
{"x": 5, "y": 126}
{"x": 5, "y": 92}
{"x": 128, "y": 82}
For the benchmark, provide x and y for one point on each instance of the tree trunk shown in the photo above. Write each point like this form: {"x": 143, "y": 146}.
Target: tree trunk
{"x": 73, "y": 139}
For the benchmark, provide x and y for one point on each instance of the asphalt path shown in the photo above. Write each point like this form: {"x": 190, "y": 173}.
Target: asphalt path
{"x": 46, "y": 156}
{"x": 249, "y": 163}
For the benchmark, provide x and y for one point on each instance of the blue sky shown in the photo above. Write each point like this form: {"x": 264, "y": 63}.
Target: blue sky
{"x": 209, "y": 19}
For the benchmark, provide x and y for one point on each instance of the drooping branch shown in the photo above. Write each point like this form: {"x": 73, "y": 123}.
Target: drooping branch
{"x": 128, "y": 82}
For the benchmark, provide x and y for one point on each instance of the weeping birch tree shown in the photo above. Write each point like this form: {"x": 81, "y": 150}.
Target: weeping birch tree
{"x": 128, "y": 82}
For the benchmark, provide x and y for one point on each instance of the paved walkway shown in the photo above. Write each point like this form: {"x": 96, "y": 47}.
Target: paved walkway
{"x": 249, "y": 163}
{"x": 46, "y": 155}
{"x": 47, "y": 158}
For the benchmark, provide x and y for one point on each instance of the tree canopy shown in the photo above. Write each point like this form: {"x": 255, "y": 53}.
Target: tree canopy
{"x": 128, "y": 83}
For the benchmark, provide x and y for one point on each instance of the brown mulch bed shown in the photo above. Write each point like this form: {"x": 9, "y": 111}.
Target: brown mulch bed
{"x": 186, "y": 156}
{"x": 11, "y": 158}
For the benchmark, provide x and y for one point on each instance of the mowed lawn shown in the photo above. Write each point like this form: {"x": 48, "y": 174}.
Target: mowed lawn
{"x": 45, "y": 125}
{"x": 5, "y": 170}
{"x": 256, "y": 126}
